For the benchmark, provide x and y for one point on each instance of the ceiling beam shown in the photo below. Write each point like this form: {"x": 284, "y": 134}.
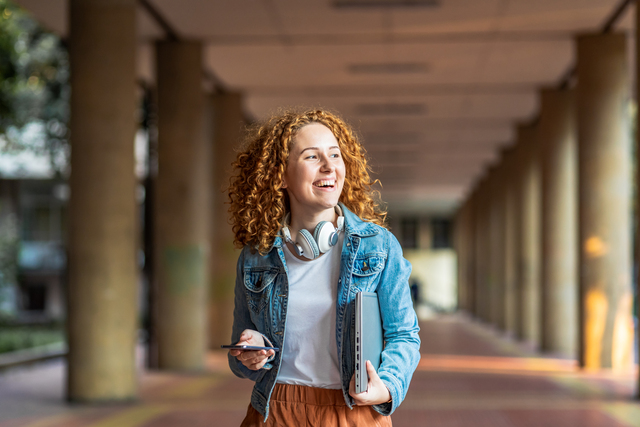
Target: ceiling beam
{"x": 607, "y": 27}
{"x": 339, "y": 91}
{"x": 382, "y": 38}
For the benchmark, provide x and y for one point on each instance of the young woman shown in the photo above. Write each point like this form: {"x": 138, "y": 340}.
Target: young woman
{"x": 312, "y": 237}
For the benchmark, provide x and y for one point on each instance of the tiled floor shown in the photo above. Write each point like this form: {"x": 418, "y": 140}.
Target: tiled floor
{"x": 468, "y": 376}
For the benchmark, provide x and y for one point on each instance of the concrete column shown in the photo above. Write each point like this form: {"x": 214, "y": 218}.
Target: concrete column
{"x": 228, "y": 118}
{"x": 462, "y": 242}
{"x": 103, "y": 279}
{"x": 557, "y": 135}
{"x": 637, "y": 183}
{"x": 424, "y": 233}
{"x": 478, "y": 250}
{"x": 529, "y": 272}
{"x": 460, "y": 255}
{"x": 467, "y": 242}
{"x": 497, "y": 246}
{"x": 532, "y": 241}
{"x": 471, "y": 254}
{"x": 483, "y": 247}
{"x": 518, "y": 209}
{"x": 488, "y": 247}
{"x": 604, "y": 178}
{"x": 511, "y": 258}
{"x": 182, "y": 207}
{"x": 487, "y": 244}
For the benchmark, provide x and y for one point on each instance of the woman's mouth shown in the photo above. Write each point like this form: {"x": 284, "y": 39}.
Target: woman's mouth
{"x": 325, "y": 183}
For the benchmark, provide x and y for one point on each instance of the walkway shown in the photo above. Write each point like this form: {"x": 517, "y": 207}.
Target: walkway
{"x": 468, "y": 376}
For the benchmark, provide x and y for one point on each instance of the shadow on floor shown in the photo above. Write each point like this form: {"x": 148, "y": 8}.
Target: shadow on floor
{"x": 469, "y": 375}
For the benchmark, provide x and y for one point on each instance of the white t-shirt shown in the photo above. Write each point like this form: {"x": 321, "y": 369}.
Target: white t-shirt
{"x": 310, "y": 353}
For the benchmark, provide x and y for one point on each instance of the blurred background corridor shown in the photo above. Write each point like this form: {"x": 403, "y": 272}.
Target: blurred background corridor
{"x": 503, "y": 134}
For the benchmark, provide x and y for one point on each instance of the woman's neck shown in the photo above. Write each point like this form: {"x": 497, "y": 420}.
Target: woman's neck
{"x": 309, "y": 221}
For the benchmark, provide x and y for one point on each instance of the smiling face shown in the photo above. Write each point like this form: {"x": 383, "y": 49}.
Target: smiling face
{"x": 315, "y": 172}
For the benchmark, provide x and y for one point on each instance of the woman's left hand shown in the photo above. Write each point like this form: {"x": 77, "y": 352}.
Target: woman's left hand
{"x": 376, "y": 393}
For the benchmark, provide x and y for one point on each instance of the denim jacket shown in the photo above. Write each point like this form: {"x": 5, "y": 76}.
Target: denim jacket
{"x": 371, "y": 261}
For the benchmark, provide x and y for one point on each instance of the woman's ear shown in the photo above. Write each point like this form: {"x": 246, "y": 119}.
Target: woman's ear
{"x": 284, "y": 183}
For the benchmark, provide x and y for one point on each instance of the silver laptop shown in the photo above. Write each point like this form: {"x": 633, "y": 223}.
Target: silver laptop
{"x": 369, "y": 338}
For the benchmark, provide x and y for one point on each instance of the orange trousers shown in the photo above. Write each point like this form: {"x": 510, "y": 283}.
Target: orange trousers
{"x": 300, "y": 406}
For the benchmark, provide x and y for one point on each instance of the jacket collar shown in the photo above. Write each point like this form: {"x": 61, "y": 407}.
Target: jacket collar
{"x": 353, "y": 224}
{"x": 356, "y": 226}
{"x": 277, "y": 242}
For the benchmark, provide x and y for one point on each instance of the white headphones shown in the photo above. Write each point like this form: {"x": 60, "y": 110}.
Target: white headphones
{"x": 325, "y": 236}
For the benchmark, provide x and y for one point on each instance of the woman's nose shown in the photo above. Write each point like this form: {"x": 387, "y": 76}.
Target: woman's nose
{"x": 327, "y": 164}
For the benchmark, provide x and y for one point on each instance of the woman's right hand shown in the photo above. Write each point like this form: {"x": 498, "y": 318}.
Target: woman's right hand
{"x": 252, "y": 359}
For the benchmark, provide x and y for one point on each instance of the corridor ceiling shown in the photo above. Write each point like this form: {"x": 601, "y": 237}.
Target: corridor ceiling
{"x": 434, "y": 87}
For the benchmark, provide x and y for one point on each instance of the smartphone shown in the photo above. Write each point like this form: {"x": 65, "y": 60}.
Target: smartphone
{"x": 247, "y": 347}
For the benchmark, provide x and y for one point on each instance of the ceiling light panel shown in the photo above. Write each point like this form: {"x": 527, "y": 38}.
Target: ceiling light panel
{"x": 392, "y": 157}
{"x": 385, "y": 3}
{"x": 391, "y": 109}
{"x": 380, "y": 140}
{"x": 393, "y": 68}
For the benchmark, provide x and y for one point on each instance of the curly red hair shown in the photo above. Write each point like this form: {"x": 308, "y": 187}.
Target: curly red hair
{"x": 258, "y": 201}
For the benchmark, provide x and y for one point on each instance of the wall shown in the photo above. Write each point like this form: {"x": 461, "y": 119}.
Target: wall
{"x": 434, "y": 270}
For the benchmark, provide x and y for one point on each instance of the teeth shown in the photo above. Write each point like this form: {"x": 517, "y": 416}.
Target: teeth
{"x": 325, "y": 183}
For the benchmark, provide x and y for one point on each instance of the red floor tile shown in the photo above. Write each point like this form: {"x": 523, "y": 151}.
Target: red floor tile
{"x": 562, "y": 418}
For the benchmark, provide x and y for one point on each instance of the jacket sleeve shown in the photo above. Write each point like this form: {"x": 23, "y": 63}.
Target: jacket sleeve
{"x": 401, "y": 354}
{"x": 242, "y": 321}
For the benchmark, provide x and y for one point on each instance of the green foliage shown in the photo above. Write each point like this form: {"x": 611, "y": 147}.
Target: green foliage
{"x": 8, "y": 255}
{"x": 13, "y": 338}
{"x": 8, "y": 249}
{"x": 34, "y": 87}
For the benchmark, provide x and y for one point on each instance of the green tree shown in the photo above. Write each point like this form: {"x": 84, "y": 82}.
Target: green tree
{"x": 8, "y": 259}
{"x": 34, "y": 108}
{"x": 34, "y": 88}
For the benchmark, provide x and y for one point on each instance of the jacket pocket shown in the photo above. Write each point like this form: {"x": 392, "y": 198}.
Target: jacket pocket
{"x": 366, "y": 270}
{"x": 258, "y": 284}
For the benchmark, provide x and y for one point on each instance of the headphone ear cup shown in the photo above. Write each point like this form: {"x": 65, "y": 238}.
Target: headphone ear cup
{"x": 325, "y": 235}
{"x": 308, "y": 244}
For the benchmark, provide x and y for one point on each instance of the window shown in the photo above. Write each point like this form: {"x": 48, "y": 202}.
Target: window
{"x": 441, "y": 230}
{"x": 409, "y": 233}
{"x": 34, "y": 297}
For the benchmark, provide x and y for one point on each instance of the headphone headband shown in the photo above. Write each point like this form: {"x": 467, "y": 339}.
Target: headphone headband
{"x": 325, "y": 236}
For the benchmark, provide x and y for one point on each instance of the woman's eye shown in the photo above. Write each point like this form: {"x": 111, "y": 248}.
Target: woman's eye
{"x": 313, "y": 156}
